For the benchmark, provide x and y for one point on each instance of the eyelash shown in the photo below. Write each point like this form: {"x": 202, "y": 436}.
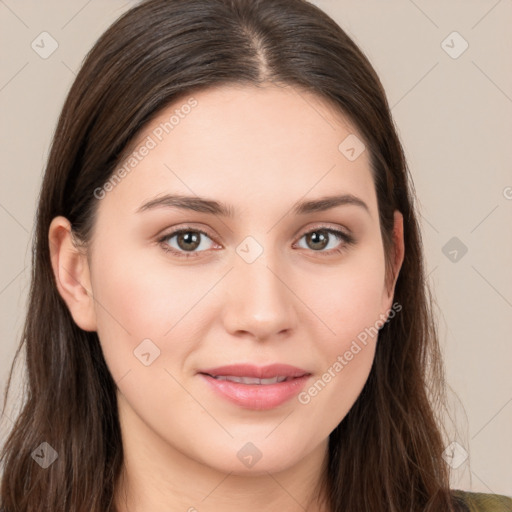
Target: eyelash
{"x": 346, "y": 238}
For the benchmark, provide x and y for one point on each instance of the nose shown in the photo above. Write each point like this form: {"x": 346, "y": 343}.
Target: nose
{"x": 259, "y": 301}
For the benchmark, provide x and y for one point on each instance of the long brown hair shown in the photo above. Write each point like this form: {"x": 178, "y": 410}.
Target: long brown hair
{"x": 386, "y": 453}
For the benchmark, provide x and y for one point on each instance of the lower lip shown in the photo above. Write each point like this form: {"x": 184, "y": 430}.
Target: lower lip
{"x": 257, "y": 396}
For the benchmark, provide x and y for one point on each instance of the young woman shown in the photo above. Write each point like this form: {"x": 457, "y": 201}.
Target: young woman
{"x": 229, "y": 308}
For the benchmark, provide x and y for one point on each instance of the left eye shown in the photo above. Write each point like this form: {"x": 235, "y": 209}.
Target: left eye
{"x": 321, "y": 238}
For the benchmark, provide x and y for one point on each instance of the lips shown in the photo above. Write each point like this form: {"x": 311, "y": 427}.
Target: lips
{"x": 256, "y": 372}
{"x": 254, "y": 387}
{"x": 252, "y": 380}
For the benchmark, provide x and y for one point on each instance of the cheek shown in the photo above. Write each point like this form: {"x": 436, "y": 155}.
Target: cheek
{"x": 347, "y": 299}
{"x": 352, "y": 311}
{"x": 346, "y": 356}
{"x": 347, "y": 352}
{"x": 333, "y": 392}
{"x": 137, "y": 300}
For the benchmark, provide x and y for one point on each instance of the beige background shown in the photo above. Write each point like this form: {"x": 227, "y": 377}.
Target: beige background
{"x": 454, "y": 116}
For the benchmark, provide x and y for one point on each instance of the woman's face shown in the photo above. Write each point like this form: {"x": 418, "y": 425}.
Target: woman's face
{"x": 268, "y": 284}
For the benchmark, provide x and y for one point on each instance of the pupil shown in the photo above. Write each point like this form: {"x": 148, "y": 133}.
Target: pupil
{"x": 188, "y": 238}
{"x": 319, "y": 237}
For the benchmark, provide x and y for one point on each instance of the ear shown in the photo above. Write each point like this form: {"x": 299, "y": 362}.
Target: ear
{"x": 72, "y": 275}
{"x": 397, "y": 258}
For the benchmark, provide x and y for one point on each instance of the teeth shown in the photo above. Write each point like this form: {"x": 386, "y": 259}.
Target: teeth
{"x": 250, "y": 380}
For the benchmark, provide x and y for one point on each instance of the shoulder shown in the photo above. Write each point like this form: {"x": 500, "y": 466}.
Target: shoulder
{"x": 483, "y": 502}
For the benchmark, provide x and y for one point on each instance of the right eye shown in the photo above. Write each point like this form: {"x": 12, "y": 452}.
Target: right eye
{"x": 188, "y": 241}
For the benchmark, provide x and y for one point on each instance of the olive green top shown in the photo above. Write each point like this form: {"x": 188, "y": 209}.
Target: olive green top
{"x": 483, "y": 502}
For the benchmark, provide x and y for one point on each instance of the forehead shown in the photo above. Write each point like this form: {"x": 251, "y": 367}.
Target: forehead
{"x": 241, "y": 142}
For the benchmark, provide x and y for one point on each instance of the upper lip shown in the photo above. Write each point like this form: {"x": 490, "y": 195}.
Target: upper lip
{"x": 260, "y": 372}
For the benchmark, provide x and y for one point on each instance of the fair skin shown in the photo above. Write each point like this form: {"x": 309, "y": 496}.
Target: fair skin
{"x": 259, "y": 150}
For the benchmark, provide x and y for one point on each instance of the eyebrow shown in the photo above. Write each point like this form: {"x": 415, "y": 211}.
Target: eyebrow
{"x": 210, "y": 206}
